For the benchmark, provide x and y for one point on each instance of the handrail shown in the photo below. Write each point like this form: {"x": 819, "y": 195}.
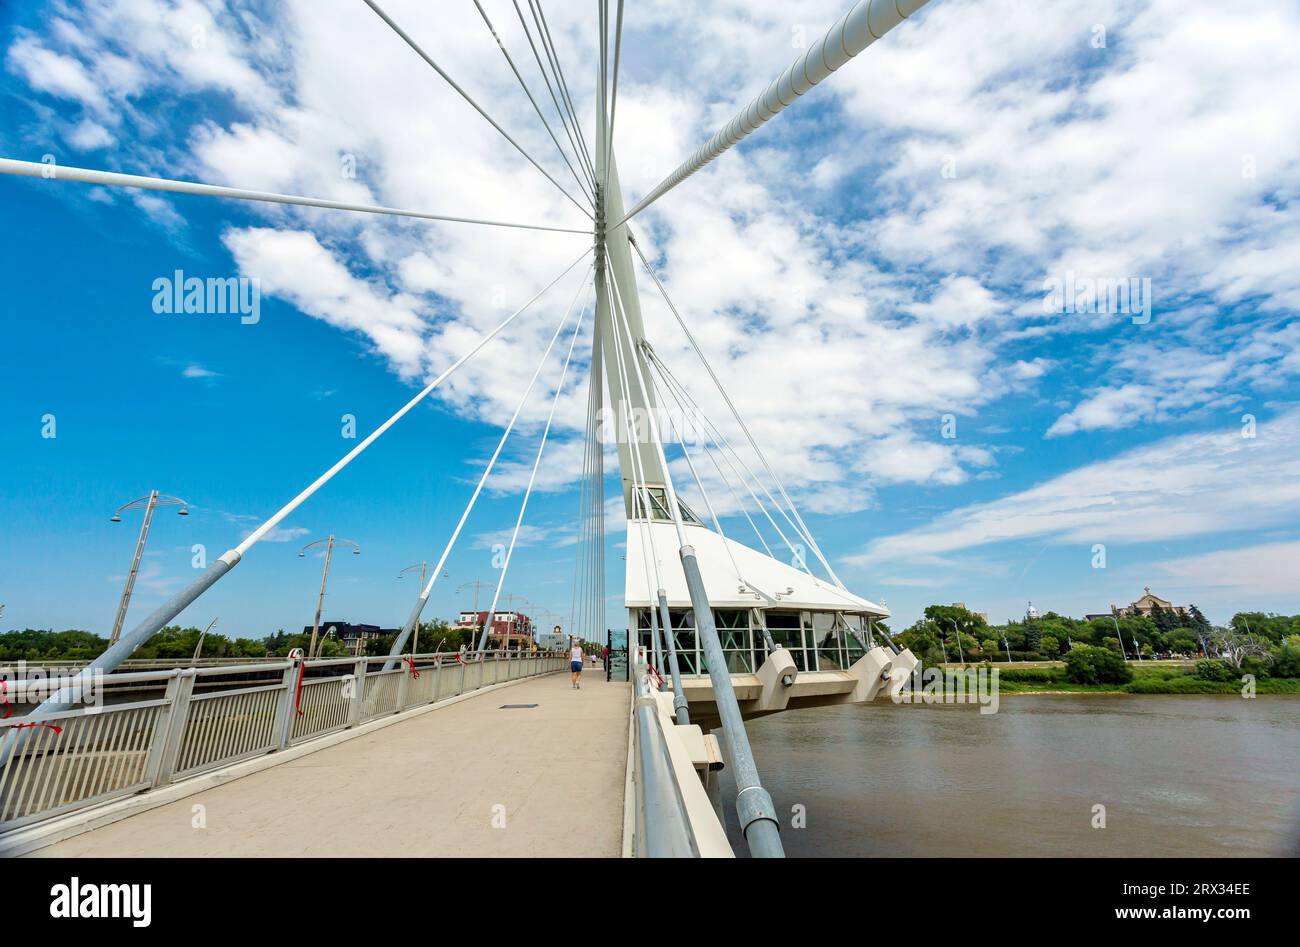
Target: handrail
{"x": 673, "y": 815}
{"x": 663, "y": 828}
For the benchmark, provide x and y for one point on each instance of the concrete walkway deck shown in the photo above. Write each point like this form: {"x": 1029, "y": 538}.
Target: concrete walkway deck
{"x": 439, "y": 784}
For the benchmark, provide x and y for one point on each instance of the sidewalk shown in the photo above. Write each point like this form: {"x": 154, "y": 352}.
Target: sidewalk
{"x": 469, "y": 779}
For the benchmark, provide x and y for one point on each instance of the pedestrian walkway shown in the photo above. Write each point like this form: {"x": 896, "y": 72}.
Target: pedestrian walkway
{"x": 482, "y": 777}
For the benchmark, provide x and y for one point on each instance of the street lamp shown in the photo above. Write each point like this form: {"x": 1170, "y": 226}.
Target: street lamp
{"x": 203, "y": 634}
{"x": 330, "y": 543}
{"x": 415, "y": 634}
{"x": 149, "y": 503}
{"x": 960, "y": 649}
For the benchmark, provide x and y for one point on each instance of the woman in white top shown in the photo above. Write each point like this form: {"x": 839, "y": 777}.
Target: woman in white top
{"x": 575, "y": 665}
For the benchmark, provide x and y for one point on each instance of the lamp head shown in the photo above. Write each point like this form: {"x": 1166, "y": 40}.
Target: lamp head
{"x": 183, "y": 511}
{"x": 115, "y": 518}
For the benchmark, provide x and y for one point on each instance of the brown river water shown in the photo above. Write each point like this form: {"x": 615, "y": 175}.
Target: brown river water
{"x": 1178, "y": 775}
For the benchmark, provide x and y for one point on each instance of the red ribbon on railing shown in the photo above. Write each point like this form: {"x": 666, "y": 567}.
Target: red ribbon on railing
{"x": 297, "y": 696}
{"x": 9, "y": 712}
{"x": 655, "y": 678}
{"x": 410, "y": 662}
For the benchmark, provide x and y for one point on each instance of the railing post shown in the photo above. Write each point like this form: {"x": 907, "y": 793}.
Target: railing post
{"x": 402, "y": 686}
{"x": 461, "y": 687}
{"x": 285, "y": 714}
{"x": 437, "y": 678}
{"x": 358, "y": 692}
{"x": 162, "y": 728}
{"x": 176, "y": 728}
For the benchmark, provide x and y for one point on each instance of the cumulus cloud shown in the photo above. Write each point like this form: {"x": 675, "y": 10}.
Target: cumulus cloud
{"x": 867, "y": 290}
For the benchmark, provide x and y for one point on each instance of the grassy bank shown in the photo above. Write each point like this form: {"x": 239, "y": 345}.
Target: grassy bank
{"x": 1155, "y": 679}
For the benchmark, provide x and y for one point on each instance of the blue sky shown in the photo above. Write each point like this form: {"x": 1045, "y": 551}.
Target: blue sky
{"x": 863, "y": 267}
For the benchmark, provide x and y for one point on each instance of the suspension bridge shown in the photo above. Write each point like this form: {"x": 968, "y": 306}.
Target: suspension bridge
{"x": 718, "y": 630}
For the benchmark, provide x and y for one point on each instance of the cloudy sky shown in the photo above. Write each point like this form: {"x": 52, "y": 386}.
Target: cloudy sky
{"x": 887, "y": 278}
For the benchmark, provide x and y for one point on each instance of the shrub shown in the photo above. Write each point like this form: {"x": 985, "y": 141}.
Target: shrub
{"x": 1212, "y": 670}
{"x": 1286, "y": 658}
{"x": 1086, "y": 664}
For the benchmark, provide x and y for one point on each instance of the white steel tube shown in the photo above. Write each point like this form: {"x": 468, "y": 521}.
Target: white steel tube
{"x": 867, "y": 22}
{"x": 58, "y": 172}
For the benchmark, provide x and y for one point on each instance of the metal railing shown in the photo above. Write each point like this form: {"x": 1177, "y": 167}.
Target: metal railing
{"x": 60, "y": 763}
{"x": 673, "y": 816}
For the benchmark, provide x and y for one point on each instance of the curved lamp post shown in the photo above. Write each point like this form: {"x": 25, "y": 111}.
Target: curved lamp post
{"x": 330, "y": 543}
{"x": 149, "y": 504}
{"x": 415, "y": 632}
{"x": 203, "y": 634}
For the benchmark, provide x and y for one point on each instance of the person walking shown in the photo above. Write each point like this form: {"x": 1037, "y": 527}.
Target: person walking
{"x": 575, "y": 665}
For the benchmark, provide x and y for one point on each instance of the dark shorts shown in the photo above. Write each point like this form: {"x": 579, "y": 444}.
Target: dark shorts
{"x": 575, "y": 666}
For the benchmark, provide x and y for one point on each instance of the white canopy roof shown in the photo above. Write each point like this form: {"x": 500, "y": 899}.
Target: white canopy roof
{"x": 766, "y": 582}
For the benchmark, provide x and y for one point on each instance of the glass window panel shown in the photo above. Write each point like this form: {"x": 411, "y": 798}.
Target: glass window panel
{"x": 826, "y": 641}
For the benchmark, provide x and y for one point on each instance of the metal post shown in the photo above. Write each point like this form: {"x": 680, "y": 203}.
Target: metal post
{"x": 358, "y": 692}
{"x": 176, "y": 728}
{"x": 284, "y": 719}
{"x": 754, "y": 805}
{"x": 320, "y": 599}
{"x": 1121, "y": 636}
{"x": 135, "y": 567}
{"x": 415, "y": 641}
{"x": 681, "y": 708}
{"x": 162, "y": 727}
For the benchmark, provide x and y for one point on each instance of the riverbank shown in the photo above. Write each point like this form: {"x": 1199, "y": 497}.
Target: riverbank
{"x": 1153, "y": 679}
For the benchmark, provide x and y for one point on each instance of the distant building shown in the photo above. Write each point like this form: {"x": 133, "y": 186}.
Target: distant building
{"x": 553, "y": 640}
{"x": 353, "y": 637}
{"x": 962, "y": 605}
{"x": 511, "y": 631}
{"x": 1144, "y": 606}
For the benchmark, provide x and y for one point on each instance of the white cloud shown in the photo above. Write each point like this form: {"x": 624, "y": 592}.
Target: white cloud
{"x": 59, "y": 75}
{"x": 1267, "y": 569}
{"x": 1108, "y": 408}
{"x": 865, "y": 294}
{"x": 89, "y": 135}
{"x": 1190, "y": 485}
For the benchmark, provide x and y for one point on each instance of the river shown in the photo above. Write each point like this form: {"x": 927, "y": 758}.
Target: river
{"x": 1178, "y": 776}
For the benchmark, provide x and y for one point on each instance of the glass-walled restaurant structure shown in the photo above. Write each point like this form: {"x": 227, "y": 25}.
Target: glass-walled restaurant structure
{"x": 816, "y": 640}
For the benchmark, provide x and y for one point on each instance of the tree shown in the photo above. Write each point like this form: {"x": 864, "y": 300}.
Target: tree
{"x": 1049, "y": 646}
{"x": 1234, "y": 648}
{"x": 1183, "y": 641}
{"x": 1086, "y": 664}
{"x": 1286, "y": 658}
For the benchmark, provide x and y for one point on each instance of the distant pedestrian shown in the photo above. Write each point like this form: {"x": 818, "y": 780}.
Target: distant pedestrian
{"x": 575, "y": 665}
